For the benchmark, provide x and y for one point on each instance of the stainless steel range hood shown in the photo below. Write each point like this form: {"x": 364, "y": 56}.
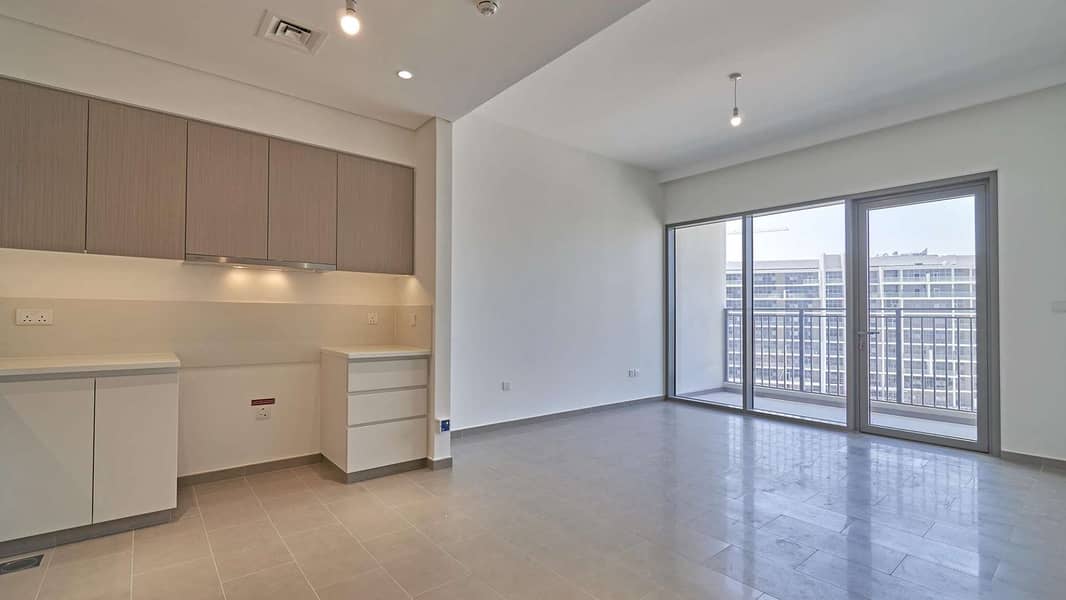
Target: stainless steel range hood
{"x": 258, "y": 263}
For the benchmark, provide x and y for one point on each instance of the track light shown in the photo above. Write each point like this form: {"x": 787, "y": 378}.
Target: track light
{"x": 737, "y": 119}
{"x": 350, "y": 21}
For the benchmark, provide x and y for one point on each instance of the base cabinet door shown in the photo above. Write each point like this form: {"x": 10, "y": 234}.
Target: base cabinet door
{"x": 46, "y": 439}
{"x": 136, "y": 452}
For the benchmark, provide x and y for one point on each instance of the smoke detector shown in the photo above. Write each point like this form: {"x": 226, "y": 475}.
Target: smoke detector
{"x": 290, "y": 34}
{"x": 488, "y": 7}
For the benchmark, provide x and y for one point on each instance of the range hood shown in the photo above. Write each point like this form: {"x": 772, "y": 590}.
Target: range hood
{"x": 258, "y": 263}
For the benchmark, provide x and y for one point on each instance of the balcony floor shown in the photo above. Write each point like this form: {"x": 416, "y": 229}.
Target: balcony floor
{"x": 836, "y": 414}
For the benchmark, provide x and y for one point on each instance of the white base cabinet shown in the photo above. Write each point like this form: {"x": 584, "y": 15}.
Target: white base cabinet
{"x": 46, "y": 456}
{"x": 86, "y": 449}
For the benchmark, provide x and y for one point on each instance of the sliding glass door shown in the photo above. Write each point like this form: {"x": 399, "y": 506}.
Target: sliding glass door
{"x": 923, "y": 316}
{"x": 874, "y": 312}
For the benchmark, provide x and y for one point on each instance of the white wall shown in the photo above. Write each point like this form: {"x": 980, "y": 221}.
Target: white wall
{"x": 556, "y": 277}
{"x": 1024, "y": 139}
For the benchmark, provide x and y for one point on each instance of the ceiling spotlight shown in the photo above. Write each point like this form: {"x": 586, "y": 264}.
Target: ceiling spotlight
{"x": 737, "y": 118}
{"x": 350, "y": 21}
{"x": 488, "y": 7}
{"x": 404, "y": 74}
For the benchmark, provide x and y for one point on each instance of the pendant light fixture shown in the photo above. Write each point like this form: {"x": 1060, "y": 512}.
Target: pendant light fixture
{"x": 350, "y": 21}
{"x": 737, "y": 118}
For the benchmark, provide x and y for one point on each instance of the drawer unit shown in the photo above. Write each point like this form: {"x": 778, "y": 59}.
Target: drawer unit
{"x": 387, "y": 374}
{"x": 374, "y": 409}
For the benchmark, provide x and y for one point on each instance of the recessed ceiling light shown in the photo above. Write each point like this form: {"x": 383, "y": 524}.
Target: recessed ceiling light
{"x": 404, "y": 74}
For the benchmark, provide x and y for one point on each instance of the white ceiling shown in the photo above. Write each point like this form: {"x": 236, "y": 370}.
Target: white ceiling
{"x": 459, "y": 58}
{"x": 652, "y": 89}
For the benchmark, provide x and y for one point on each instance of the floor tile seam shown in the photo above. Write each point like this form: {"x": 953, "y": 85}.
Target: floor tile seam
{"x": 210, "y": 546}
{"x": 286, "y": 544}
{"x": 360, "y": 543}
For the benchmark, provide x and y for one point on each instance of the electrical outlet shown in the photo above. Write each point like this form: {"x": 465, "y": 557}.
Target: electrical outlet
{"x": 505, "y": 386}
{"x": 445, "y": 425}
{"x": 262, "y": 413}
{"x": 34, "y": 316}
{"x": 371, "y": 318}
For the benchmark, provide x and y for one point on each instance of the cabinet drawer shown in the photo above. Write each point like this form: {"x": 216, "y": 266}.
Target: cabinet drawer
{"x": 386, "y": 406}
{"x": 385, "y": 374}
{"x": 373, "y": 446}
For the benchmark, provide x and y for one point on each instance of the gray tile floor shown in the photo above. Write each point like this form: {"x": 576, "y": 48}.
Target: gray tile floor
{"x": 656, "y": 501}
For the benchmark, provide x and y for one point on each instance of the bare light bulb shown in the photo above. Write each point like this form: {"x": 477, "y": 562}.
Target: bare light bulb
{"x": 350, "y": 23}
{"x": 737, "y": 118}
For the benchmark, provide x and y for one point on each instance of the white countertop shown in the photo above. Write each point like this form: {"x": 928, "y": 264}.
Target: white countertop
{"x": 369, "y": 352}
{"x": 57, "y": 365}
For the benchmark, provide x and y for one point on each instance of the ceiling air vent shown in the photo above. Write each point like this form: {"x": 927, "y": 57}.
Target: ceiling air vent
{"x": 288, "y": 33}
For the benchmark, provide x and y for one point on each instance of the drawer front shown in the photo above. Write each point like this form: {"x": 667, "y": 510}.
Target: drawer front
{"x": 385, "y": 374}
{"x": 375, "y": 407}
{"x": 373, "y": 446}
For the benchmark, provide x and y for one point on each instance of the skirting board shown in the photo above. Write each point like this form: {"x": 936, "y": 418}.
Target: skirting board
{"x": 1045, "y": 464}
{"x": 411, "y": 465}
{"x": 263, "y": 467}
{"x": 459, "y": 433}
{"x": 78, "y": 534}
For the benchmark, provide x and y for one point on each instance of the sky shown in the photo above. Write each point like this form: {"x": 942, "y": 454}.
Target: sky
{"x": 942, "y": 227}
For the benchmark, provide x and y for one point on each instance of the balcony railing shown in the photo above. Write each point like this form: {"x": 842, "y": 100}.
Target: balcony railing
{"x": 918, "y": 357}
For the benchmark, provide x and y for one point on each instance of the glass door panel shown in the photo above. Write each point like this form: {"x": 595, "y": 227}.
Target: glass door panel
{"x": 920, "y": 328}
{"x": 708, "y": 313}
{"x": 799, "y": 313}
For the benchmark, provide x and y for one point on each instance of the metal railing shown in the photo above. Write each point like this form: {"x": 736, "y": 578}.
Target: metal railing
{"x": 918, "y": 357}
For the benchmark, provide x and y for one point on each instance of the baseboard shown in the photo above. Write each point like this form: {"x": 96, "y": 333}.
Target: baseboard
{"x": 460, "y": 433}
{"x": 437, "y": 464}
{"x": 263, "y": 467}
{"x": 1045, "y": 463}
{"x": 86, "y": 532}
{"x": 356, "y": 477}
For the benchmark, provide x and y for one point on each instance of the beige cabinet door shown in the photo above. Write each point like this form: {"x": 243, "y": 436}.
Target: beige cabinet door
{"x": 42, "y": 168}
{"x": 375, "y": 216}
{"x": 135, "y": 458}
{"x": 226, "y": 214}
{"x": 303, "y": 203}
{"x": 136, "y": 182}
{"x": 46, "y": 445}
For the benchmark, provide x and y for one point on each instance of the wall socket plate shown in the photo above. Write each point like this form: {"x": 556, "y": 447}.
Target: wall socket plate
{"x": 505, "y": 386}
{"x": 34, "y": 316}
{"x": 371, "y": 318}
{"x": 634, "y": 373}
{"x": 262, "y": 413}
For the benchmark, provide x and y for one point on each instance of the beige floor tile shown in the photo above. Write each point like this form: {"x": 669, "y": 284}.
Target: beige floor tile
{"x": 176, "y": 527}
{"x": 246, "y": 548}
{"x": 452, "y": 529}
{"x": 424, "y": 571}
{"x": 23, "y": 585}
{"x": 396, "y": 490}
{"x": 398, "y": 545}
{"x": 512, "y": 576}
{"x": 194, "y": 580}
{"x": 297, "y": 499}
{"x": 367, "y": 518}
{"x": 284, "y": 582}
{"x": 373, "y": 585}
{"x": 303, "y": 518}
{"x": 226, "y": 496}
{"x": 222, "y": 485}
{"x": 556, "y": 590}
{"x": 159, "y": 551}
{"x": 616, "y": 582}
{"x": 102, "y": 578}
{"x": 231, "y": 513}
{"x": 121, "y": 543}
{"x": 329, "y": 555}
{"x": 468, "y": 588}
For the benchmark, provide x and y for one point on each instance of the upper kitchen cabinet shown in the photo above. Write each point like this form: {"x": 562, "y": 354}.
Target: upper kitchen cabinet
{"x": 227, "y": 192}
{"x": 375, "y": 216}
{"x": 136, "y": 187}
{"x": 42, "y": 168}
{"x": 303, "y": 203}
